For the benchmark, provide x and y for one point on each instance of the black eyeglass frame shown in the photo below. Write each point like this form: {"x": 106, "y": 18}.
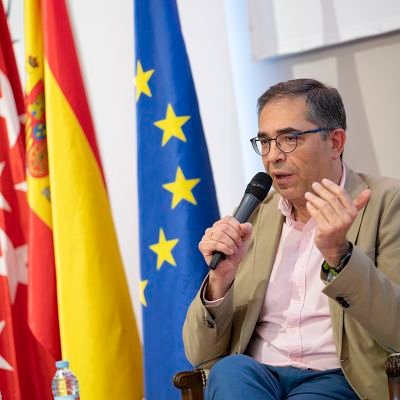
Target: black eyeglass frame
{"x": 256, "y": 139}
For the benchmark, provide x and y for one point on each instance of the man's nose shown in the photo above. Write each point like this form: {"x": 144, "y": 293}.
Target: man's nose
{"x": 275, "y": 153}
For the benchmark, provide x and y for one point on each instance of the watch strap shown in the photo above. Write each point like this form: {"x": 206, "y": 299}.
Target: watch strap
{"x": 334, "y": 271}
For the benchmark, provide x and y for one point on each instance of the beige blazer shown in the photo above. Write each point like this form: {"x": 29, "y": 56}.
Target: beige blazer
{"x": 365, "y": 331}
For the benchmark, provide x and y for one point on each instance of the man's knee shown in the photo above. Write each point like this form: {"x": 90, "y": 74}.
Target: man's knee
{"x": 230, "y": 367}
{"x": 239, "y": 377}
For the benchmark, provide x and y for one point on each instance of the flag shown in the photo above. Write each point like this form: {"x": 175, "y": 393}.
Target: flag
{"x": 97, "y": 327}
{"x": 24, "y": 363}
{"x": 43, "y": 313}
{"x": 177, "y": 200}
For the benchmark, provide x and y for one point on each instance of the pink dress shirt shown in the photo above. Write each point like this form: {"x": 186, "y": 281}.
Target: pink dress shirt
{"x": 294, "y": 327}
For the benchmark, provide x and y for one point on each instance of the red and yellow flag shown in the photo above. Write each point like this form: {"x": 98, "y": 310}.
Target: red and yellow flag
{"x": 25, "y": 366}
{"x": 97, "y": 326}
{"x": 43, "y": 314}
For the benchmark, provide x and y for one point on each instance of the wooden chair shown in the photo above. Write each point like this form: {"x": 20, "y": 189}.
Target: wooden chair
{"x": 392, "y": 368}
{"x": 192, "y": 383}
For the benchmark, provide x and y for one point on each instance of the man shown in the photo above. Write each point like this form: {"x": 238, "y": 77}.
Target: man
{"x": 306, "y": 303}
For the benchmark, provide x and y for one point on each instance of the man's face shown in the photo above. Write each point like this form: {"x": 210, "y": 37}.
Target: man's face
{"x": 293, "y": 173}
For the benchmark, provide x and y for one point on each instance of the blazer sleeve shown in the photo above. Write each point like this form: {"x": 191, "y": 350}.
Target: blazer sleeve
{"x": 369, "y": 286}
{"x": 207, "y": 331}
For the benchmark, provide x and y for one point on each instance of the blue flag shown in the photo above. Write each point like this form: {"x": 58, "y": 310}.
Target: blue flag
{"x": 177, "y": 200}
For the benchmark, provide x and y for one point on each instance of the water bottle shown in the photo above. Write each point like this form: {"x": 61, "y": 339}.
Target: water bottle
{"x": 64, "y": 384}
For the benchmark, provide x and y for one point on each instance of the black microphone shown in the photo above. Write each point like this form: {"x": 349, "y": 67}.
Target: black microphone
{"x": 256, "y": 191}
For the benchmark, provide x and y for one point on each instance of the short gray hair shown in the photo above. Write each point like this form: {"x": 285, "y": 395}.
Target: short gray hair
{"x": 324, "y": 104}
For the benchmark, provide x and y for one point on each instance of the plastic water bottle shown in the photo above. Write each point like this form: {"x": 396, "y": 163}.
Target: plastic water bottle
{"x": 64, "y": 385}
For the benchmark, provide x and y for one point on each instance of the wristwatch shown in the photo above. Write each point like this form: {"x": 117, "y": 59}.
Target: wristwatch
{"x": 334, "y": 271}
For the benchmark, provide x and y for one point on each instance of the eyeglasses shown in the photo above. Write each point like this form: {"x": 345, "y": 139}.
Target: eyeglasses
{"x": 286, "y": 142}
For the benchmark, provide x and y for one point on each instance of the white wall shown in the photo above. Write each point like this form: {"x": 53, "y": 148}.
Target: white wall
{"x": 228, "y": 83}
{"x": 205, "y": 32}
{"x": 365, "y": 73}
{"x": 280, "y": 27}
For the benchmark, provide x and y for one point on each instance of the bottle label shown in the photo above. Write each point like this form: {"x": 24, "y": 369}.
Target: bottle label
{"x": 69, "y": 397}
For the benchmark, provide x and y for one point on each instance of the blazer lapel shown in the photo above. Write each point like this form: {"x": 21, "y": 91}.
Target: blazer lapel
{"x": 266, "y": 239}
{"x": 354, "y": 185}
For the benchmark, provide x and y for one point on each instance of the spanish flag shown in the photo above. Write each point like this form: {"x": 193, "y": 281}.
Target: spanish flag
{"x": 96, "y": 322}
{"x": 42, "y": 296}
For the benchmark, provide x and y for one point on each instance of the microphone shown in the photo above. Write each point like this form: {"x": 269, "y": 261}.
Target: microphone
{"x": 256, "y": 191}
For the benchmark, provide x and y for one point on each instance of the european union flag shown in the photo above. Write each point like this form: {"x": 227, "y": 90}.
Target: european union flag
{"x": 177, "y": 199}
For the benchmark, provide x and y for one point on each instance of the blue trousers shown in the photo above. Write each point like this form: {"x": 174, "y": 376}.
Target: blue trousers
{"x": 241, "y": 377}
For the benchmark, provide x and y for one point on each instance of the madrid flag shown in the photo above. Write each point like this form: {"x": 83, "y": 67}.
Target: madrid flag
{"x": 25, "y": 371}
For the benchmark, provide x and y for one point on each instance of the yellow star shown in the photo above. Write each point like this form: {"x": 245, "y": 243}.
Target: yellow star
{"x": 142, "y": 81}
{"x": 143, "y": 285}
{"x": 163, "y": 249}
{"x": 172, "y": 125}
{"x": 181, "y": 189}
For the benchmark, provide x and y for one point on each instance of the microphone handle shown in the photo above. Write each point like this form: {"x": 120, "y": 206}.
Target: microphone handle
{"x": 216, "y": 259}
{"x": 246, "y": 207}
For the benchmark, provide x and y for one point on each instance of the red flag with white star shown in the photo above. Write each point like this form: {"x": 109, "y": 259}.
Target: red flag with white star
{"x": 25, "y": 367}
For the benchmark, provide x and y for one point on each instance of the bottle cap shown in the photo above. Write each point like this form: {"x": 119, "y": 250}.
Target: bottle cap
{"x": 62, "y": 364}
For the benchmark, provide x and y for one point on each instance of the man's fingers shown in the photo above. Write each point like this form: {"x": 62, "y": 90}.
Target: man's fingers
{"x": 317, "y": 215}
{"x": 338, "y": 198}
{"x": 362, "y": 199}
{"x": 246, "y": 230}
{"x": 228, "y": 250}
{"x": 332, "y": 200}
{"x": 227, "y": 226}
{"x": 226, "y": 235}
{"x": 324, "y": 209}
{"x": 337, "y": 191}
{"x": 228, "y": 219}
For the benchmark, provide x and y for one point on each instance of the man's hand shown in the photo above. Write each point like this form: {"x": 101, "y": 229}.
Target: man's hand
{"x": 231, "y": 238}
{"x": 334, "y": 211}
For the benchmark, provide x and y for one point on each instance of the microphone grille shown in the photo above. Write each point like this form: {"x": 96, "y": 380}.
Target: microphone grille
{"x": 259, "y": 186}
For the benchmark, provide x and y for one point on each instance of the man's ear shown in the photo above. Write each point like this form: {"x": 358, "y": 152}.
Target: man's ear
{"x": 337, "y": 139}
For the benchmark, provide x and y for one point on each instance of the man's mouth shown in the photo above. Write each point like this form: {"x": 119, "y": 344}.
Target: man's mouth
{"x": 282, "y": 177}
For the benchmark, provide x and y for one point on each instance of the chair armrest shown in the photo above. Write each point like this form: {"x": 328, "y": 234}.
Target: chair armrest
{"x": 392, "y": 369}
{"x": 191, "y": 384}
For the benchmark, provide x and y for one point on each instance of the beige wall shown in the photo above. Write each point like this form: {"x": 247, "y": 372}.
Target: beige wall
{"x": 367, "y": 74}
